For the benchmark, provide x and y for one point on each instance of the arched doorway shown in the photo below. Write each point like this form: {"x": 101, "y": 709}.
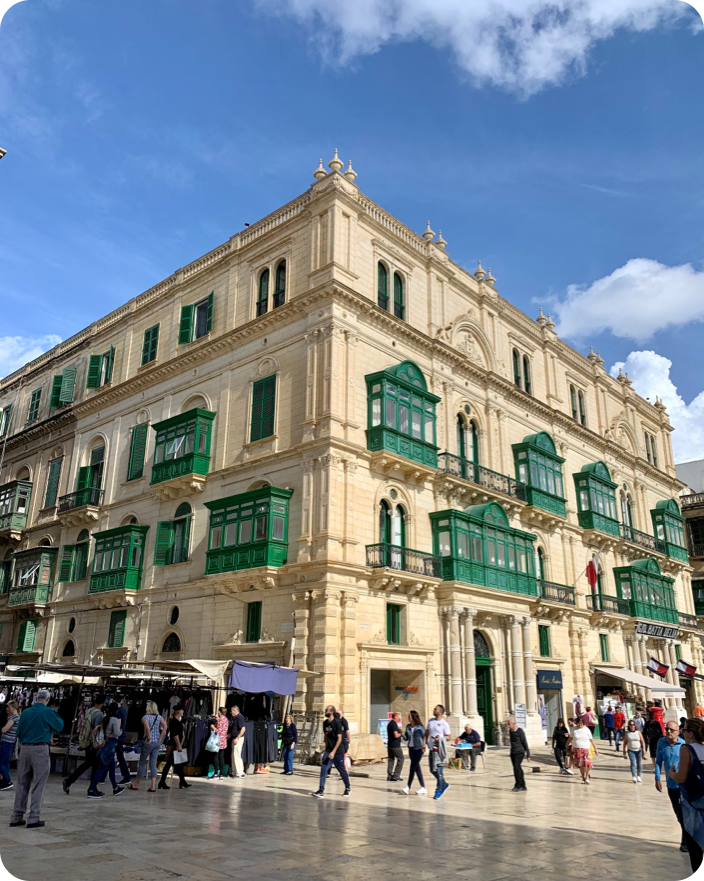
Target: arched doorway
{"x": 482, "y": 658}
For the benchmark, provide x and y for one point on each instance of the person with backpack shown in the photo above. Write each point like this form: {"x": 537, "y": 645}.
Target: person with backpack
{"x": 690, "y": 776}
{"x": 92, "y": 718}
{"x": 154, "y": 731}
{"x": 415, "y": 737}
{"x": 105, "y": 742}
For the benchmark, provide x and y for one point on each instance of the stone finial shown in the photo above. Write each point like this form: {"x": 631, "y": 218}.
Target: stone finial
{"x": 592, "y": 356}
{"x": 550, "y": 324}
{"x": 429, "y": 234}
{"x": 623, "y": 378}
{"x": 599, "y": 359}
{"x": 490, "y": 280}
{"x": 335, "y": 164}
{"x": 440, "y": 241}
{"x": 541, "y": 319}
{"x": 350, "y": 174}
{"x": 320, "y": 172}
{"x": 479, "y": 273}
{"x": 659, "y": 405}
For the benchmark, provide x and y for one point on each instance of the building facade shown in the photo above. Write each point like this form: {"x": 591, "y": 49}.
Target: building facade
{"x": 326, "y": 444}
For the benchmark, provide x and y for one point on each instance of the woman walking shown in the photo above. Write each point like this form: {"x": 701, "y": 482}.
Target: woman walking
{"x": 560, "y": 736}
{"x": 289, "y": 739}
{"x": 175, "y": 745}
{"x": 688, "y": 775}
{"x": 105, "y": 741}
{"x": 415, "y": 736}
{"x": 634, "y": 745}
{"x": 652, "y": 732}
{"x": 590, "y": 720}
{"x": 7, "y": 743}
{"x": 582, "y": 742}
{"x": 220, "y": 759}
{"x": 154, "y": 730}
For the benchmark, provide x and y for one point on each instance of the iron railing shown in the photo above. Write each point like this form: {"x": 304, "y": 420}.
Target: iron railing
{"x": 485, "y": 477}
{"x": 87, "y": 496}
{"x": 688, "y": 620}
{"x": 385, "y": 556}
{"x": 636, "y": 537}
{"x": 556, "y": 593}
{"x": 598, "y": 602}
{"x": 696, "y": 550}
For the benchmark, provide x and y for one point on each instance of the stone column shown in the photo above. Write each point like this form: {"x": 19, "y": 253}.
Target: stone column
{"x": 445, "y": 623}
{"x": 519, "y": 692}
{"x": 470, "y": 662}
{"x": 529, "y": 676}
{"x": 455, "y": 662}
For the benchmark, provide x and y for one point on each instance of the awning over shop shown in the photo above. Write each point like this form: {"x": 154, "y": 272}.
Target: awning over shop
{"x": 257, "y": 678}
{"x": 662, "y": 689}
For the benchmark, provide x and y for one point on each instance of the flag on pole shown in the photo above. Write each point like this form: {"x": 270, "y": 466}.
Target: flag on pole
{"x": 685, "y": 669}
{"x": 593, "y": 571}
{"x": 656, "y": 667}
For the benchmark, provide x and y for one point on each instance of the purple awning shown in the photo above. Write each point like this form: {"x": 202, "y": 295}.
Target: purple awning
{"x": 257, "y": 678}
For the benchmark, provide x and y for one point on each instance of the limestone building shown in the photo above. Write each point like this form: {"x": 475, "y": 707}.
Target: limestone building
{"x": 324, "y": 443}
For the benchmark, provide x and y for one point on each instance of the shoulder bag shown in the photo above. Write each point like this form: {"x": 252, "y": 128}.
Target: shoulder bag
{"x": 694, "y": 784}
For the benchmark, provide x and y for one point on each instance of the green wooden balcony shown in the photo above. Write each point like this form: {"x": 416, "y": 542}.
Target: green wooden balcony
{"x": 593, "y": 520}
{"x": 14, "y": 502}
{"x": 381, "y": 437}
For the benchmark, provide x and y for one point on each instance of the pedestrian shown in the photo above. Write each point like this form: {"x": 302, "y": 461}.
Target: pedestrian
{"x": 609, "y": 725}
{"x": 560, "y": 736}
{"x": 91, "y": 719}
{"x": 105, "y": 741}
{"x": 469, "y": 756}
{"x": 415, "y": 736}
{"x": 237, "y": 729}
{"x": 152, "y": 737}
{"x": 221, "y": 758}
{"x": 289, "y": 740}
{"x": 689, "y": 775}
{"x": 174, "y": 745}
{"x": 590, "y": 720}
{"x": 120, "y": 749}
{"x": 569, "y": 764}
{"x": 699, "y": 711}
{"x": 639, "y": 721}
{"x": 7, "y": 743}
{"x": 582, "y": 744}
{"x": 334, "y": 752}
{"x": 683, "y": 722}
{"x": 619, "y": 725}
{"x": 634, "y": 746}
{"x": 34, "y": 731}
{"x": 652, "y": 734}
{"x": 394, "y": 748}
{"x": 437, "y": 733}
{"x": 519, "y": 751}
{"x": 668, "y": 756}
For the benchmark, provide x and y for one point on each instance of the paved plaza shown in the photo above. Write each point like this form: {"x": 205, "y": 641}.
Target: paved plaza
{"x": 268, "y": 827}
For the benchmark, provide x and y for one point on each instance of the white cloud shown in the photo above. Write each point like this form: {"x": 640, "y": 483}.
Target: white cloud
{"x": 519, "y": 45}
{"x": 634, "y": 302}
{"x": 18, "y": 350}
{"x": 650, "y": 374}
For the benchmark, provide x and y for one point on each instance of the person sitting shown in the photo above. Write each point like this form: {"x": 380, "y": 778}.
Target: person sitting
{"x": 469, "y": 735}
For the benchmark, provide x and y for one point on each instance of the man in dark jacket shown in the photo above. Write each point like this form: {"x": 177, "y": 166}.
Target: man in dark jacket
{"x": 519, "y": 751}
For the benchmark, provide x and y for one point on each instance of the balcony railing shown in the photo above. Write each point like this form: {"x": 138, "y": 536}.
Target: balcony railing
{"x": 696, "y": 500}
{"x": 556, "y": 593}
{"x": 636, "y": 537}
{"x": 688, "y": 620}
{"x": 485, "y": 477}
{"x": 385, "y": 556}
{"x": 696, "y": 550}
{"x": 598, "y": 602}
{"x": 33, "y": 594}
{"x": 81, "y": 497}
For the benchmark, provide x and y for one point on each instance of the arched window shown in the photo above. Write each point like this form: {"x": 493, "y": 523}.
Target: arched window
{"x": 540, "y": 564}
{"x": 626, "y": 517}
{"x": 382, "y": 292}
{"x": 263, "y": 297}
{"x": 172, "y": 643}
{"x": 398, "y": 527}
{"x": 467, "y": 441}
{"x": 481, "y": 648}
{"x": 280, "y": 289}
{"x": 69, "y": 650}
{"x": 573, "y": 402}
{"x": 582, "y": 408}
{"x": 384, "y": 522}
{"x": 399, "y": 307}
{"x": 527, "y": 384}
{"x": 80, "y": 556}
{"x": 183, "y": 510}
{"x": 517, "y": 369}
{"x": 182, "y": 533}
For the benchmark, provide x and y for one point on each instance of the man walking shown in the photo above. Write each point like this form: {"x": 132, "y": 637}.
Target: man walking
{"x": 394, "y": 748}
{"x": 609, "y": 724}
{"x": 236, "y": 733}
{"x": 91, "y": 720}
{"x": 519, "y": 751}
{"x": 619, "y": 725}
{"x": 34, "y": 731}
{"x": 668, "y": 756}
{"x": 121, "y": 716}
{"x": 334, "y": 752}
{"x": 436, "y": 736}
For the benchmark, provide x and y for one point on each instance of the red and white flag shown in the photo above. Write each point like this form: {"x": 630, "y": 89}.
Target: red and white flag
{"x": 593, "y": 571}
{"x": 685, "y": 669}
{"x": 656, "y": 667}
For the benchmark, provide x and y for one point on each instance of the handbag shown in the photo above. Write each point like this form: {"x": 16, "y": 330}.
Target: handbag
{"x": 180, "y": 758}
{"x": 694, "y": 784}
{"x": 98, "y": 737}
{"x": 213, "y": 744}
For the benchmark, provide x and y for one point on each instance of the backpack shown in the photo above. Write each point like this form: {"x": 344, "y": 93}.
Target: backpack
{"x": 85, "y": 735}
{"x": 694, "y": 784}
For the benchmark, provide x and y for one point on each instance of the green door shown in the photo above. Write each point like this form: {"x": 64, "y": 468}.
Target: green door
{"x": 484, "y": 700}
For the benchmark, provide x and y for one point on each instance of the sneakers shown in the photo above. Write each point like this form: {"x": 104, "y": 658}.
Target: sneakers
{"x": 94, "y": 793}
{"x": 18, "y": 823}
{"x": 7, "y": 786}
{"x": 347, "y": 791}
{"x": 125, "y": 781}
{"x": 118, "y": 790}
{"x": 635, "y": 779}
{"x": 318, "y": 794}
{"x": 406, "y": 790}
{"x": 66, "y": 788}
{"x": 639, "y": 780}
{"x": 445, "y": 788}
{"x": 569, "y": 771}
{"x": 683, "y": 847}
{"x": 37, "y": 825}
{"x": 422, "y": 791}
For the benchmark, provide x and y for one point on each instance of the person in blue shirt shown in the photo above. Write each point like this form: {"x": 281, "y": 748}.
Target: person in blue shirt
{"x": 609, "y": 724}
{"x": 668, "y": 756}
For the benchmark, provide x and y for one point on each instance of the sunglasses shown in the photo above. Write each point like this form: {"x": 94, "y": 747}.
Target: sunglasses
{"x": 672, "y": 729}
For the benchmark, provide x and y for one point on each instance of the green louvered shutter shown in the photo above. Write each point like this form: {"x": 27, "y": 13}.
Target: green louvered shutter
{"x": 97, "y": 460}
{"x": 138, "y": 449}
{"x": 150, "y": 345}
{"x": 68, "y": 384}
{"x": 116, "y": 634}
{"x": 66, "y": 564}
{"x": 5, "y": 419}
{"x": 209, "y": 324}
{"x": 84, "y": 478}
{"x": 164, "y": 543}
{"x": 52, "y": 482}
{"x": 185, "y": 329}
{"x": 263, "y": 405}
{"x": 254, "y": 621}
{"x": 110, "y": 359}
{"x": 56, "y": 385}
{"x": 94, "y": 365}
{"x": 25, "y": 641}
{"x": 4, "y": 578}
{"x": 33, "y": 411}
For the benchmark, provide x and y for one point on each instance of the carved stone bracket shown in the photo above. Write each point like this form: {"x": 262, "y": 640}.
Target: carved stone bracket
{"x": 187, "y": 484}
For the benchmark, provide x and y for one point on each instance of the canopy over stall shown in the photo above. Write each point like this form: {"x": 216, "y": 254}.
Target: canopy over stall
{"x": 258, "y": 678}
{"x": 659, "y": 689}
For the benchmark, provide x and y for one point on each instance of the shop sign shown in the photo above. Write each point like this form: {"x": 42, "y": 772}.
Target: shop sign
{"x": 659, "y": 631}
{"x": 520, "y": 716}
{"x": 550, "y": 679}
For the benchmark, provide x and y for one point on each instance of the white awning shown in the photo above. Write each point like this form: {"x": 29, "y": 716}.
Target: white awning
{"x": 656, "y": 686}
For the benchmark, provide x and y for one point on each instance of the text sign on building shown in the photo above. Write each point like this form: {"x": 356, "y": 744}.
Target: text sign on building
{"x": 550, "y": 679}
{"x": 659, "y": 631}
{"x": 520, "y": 715}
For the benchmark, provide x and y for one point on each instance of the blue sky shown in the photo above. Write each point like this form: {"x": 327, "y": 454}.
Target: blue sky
{"x": 141, "y": 135}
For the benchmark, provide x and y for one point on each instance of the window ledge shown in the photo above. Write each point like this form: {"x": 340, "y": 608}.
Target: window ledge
{"x": 182, "y": 563}
{"x": 264, "y": 445}
{"x": 201, "y": 339}
{"x": 144, "y": 367}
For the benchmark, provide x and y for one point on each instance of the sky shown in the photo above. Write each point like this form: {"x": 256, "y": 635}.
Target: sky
{"x": 559, "y": 143}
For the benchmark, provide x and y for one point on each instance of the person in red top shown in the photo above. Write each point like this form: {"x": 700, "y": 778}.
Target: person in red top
{"x": 619, "y": 725}
{"x": 699, "y": 711}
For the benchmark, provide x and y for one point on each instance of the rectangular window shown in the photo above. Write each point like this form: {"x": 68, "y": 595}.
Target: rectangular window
{"x": 25, "y": 637}
{"x": 544, "y": 640}
{"x": 52, "y": 482}
{"x": 150, "y": 345}
{"x": 678, "y": 651}
{"x": 100, "y": 369}
{"x": 33, "y": 410}
{"x": 138, "y": 449}
{"x": 604, "y": 646}
{"x": 5, "y": 418}
{"x": 263, "y": 407}
{"x": 172, "y": 541}
{"x": 254, "y": 621}
{"x": 116, "y": 632}
{"x": 62, "y": 387}
{"x": 196, "y": 320}
{"x": 393, "y": 624}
